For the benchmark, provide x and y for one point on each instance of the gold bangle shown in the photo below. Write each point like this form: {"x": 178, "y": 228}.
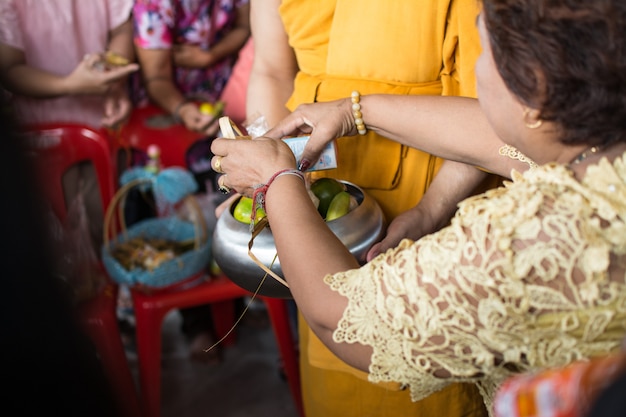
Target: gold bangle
{"x": 356, "y": 112}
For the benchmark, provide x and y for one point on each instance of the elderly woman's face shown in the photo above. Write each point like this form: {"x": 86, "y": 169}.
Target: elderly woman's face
{"x": 502, "y": 108}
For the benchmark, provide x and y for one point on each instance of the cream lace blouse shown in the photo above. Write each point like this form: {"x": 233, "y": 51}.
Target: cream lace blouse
{"x": 527, "y": 276}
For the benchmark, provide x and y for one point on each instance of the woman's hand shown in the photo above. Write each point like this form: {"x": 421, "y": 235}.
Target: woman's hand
{"x": 454, "y": 182}
{"x": 195, "y": 120}
{"x": 247, "y": 163}
{"x": 90, "y": 78}
{"x": 117, "y": 106}
{"x": 191, "y": 56}
{"x": 323, "y": 122}
{"x": 411, "y": 224}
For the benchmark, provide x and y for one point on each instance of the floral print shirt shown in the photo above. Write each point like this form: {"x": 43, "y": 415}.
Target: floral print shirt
{"x": 160, "y": 24}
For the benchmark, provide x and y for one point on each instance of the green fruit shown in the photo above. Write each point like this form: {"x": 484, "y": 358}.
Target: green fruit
{"x": 218, "y": 108}
{"x": 325, "y": 189}
{"x": 214, "y": 268}
{"x": 339, "y": 206}
{"x": 243, "y": 210}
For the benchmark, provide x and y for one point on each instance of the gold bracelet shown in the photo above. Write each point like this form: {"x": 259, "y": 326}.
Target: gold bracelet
{"x": 513, "y": 153}
{"x": 356, "y": 112}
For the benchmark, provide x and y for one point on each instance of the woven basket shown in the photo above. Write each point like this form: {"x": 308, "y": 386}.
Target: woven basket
{"x": 170, "y": 228}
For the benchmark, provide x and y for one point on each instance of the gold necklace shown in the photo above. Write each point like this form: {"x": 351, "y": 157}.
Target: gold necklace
{"x": 585, "y": 154}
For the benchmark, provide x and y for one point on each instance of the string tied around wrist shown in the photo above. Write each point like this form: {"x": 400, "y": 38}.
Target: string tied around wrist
{"x": 257, "y": 226}
{"x": 258, "y": 196}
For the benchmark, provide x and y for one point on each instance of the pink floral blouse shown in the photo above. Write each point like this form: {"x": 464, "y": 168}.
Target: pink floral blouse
{"x": 159, "y": 24}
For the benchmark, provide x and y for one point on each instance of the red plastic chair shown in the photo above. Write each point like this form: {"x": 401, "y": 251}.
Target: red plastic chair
{"x": 151, "y": 307}
{"x": 55, "y": 148}
{"x": 149, "y": 125}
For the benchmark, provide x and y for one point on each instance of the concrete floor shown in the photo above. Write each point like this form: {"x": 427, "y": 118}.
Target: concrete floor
{"x": 247, "y": 383}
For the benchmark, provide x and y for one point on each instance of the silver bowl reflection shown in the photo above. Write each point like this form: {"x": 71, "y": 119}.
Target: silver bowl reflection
{"x": 358, "y": 230}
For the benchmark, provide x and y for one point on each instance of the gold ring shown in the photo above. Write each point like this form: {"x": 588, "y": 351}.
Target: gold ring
{"x": 218, "y": 165}
{"x": 223, "y": 188}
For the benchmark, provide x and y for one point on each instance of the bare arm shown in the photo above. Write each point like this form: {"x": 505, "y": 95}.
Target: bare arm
{"x": 274, "y": 67}
{"x": 454, "y": 182}
{"x": 453, "y": 128}
{"x": 158, "y": 78}
{"x": 117, "y": 103}
{"x": 121, "y": 41}
{"x": 309, "y": 250}
{"x": 91, "y": 76}
{"x": 20, "y": 78}
{"x": 304, "y": 265}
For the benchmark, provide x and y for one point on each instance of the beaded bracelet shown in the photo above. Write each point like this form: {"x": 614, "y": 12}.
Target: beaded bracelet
{"x": 356, "y": 112}
{"x": 258, "y": 197}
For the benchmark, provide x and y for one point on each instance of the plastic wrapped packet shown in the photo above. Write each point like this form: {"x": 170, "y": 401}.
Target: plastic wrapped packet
{"x": 327, "y": 160}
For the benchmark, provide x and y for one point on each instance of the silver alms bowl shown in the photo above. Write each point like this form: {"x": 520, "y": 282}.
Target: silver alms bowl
{"x": 358, "y": 230}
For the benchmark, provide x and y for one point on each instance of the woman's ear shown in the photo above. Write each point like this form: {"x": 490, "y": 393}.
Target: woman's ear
{"x": 532, "y": 118}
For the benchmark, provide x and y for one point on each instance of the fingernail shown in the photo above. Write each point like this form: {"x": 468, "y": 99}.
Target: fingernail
{"x": 304, "y": 165}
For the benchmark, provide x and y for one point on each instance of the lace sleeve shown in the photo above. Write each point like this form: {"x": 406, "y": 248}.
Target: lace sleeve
{"x": 513, "y": 153}
{"x": 461, "y": 305}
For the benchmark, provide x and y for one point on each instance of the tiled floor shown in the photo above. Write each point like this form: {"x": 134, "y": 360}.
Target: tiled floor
{"x": 247, "y": 383}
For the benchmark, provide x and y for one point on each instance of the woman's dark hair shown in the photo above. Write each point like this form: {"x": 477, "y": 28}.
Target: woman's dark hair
{"x": 566, "y": 58}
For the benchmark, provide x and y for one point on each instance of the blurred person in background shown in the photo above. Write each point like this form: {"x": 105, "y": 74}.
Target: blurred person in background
{"x": 68, "y": 61}
{"x": 187, "y": 51}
